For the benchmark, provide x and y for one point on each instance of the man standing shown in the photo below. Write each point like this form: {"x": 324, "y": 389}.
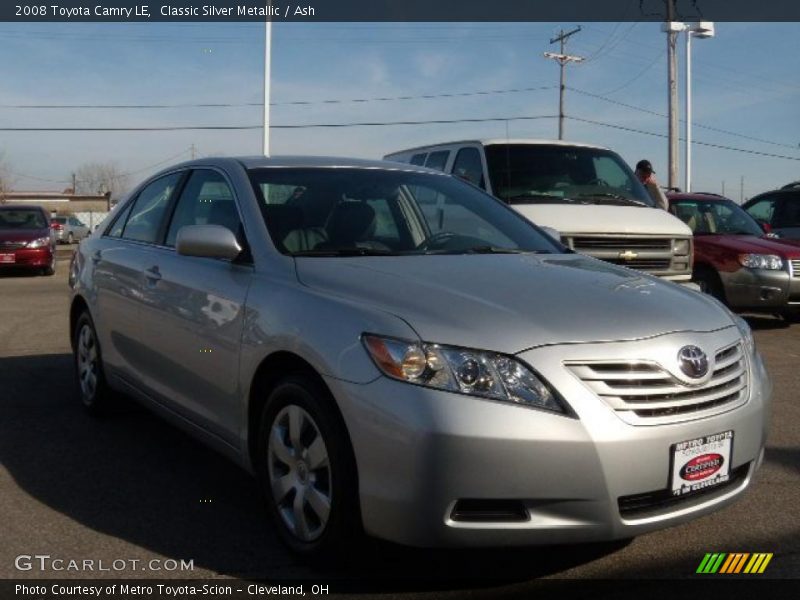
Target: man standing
{"x": 646, "y": 174}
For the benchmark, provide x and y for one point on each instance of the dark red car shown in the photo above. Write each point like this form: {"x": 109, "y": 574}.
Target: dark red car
{"x": 735, "y": 260}
{"x": 26, "y": 241}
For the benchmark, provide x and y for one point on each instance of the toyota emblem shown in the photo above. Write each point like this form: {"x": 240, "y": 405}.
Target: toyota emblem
{"x": 693, "y": 361}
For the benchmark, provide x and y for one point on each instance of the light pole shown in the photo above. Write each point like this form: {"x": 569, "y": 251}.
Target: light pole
{"x": 267, "y": 77}
{"x": 702, "y": 30}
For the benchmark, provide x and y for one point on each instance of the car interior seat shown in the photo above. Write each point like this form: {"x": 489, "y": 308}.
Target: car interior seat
{"x": 349, "y": 223}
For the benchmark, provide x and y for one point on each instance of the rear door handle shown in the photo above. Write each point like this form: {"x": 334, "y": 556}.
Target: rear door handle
{"x": 153, "y": 275}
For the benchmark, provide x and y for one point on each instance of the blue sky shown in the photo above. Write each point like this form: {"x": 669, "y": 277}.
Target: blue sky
{"x": 745, "y": 82}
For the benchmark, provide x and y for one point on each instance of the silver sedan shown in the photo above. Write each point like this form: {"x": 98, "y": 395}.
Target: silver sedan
{"x": 392, "y": 351}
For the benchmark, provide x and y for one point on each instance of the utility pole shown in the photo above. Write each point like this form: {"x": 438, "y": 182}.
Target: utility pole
{"x": 193, "y": 151}
{"x": 74, "y": 183}
{"x": 723, "y": 187}
{"x": 267, "y": 79}
{"x": 672, "y": 82}
{"x": 562, "y": 59}
{"x": 741, "y": 190}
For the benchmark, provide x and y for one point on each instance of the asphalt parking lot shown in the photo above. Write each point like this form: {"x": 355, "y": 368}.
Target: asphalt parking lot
{"x": 131, "y": 487}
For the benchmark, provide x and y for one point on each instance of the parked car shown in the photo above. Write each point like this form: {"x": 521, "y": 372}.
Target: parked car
{"x": 478, "y": 385}
{"x": 735, "y": 261}
{"x": 69, "y": 229}
{"x": 586, "y": 193}
{"x": 25, "y": 239}
{"x": 777, "y": 211}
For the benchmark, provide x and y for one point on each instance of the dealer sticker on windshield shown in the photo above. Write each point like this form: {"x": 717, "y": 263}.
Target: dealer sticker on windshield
{"x": 701, "y": 463}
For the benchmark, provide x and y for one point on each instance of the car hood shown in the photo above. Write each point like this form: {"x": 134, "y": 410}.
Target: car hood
{"x": 509, "y": 303}
{"x": 22, "y": 235}
{"x": 750, "y": 244}
{"x": 598, "y": 218}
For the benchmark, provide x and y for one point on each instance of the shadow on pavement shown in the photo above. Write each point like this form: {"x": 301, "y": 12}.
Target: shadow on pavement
{"x": 136, "y": 478}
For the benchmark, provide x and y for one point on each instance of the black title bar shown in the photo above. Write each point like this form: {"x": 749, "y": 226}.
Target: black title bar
{"x": 396, "y": 10}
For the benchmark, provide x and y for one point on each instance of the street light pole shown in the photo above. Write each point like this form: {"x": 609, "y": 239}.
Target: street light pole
{"x": 267, "y": 78}
{"x": 702, "y": 30}
{"x": 688, "y": 140}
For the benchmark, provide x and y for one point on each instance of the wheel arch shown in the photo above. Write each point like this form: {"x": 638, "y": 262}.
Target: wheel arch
{"x": 78, "y": 306}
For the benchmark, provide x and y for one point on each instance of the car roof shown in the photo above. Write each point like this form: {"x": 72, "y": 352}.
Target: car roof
{"x": 784, "y": 192}
{"x": 498, "y": 141}
{"x": 256, "y": 162}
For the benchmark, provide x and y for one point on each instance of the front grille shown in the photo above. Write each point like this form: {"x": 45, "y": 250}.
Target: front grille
{"x": 650, "y": 254}
{"x": 589, "y": 243}
{"x": 795, "y": 267}
{"x": 645, "y": 393}
{"x": 659, "y": 501}
{"x": 643, "y": 264}
{"x": 11, "y": 246}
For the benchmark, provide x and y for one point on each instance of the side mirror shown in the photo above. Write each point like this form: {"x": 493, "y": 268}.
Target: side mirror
{"x": 552, "y": 233}
{"x": 207, "y": 241}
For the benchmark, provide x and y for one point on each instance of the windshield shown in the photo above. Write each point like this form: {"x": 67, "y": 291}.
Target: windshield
{"x": 352, "y": 212}
{"x": 706, "y": 217}
{"x": 555, "y": 174}
{"x": 22, "y": 218}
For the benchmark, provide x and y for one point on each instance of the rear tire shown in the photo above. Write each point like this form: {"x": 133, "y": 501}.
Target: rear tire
{"x": 70, "y": 238}
{"x": 92, "y": 388}
{"x": 307, "y": 470}
{"x": 48, "y": 271}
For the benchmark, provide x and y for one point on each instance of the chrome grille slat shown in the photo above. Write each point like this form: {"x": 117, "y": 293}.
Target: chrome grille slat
{"x": 645, "y": 393}
{"x": 795, "y": 267}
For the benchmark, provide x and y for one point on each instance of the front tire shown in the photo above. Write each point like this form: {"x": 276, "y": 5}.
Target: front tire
{"x": 710, "y": 283}
{"x": 307, "y": 470}
{"x": 93, "y": 390}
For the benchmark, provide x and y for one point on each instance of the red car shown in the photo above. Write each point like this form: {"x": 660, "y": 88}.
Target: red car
{"x": 26, "y": 241}
{"x": 735, "y": 261}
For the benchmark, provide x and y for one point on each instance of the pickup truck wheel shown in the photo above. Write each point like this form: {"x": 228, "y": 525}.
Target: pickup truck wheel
{"x": 306, "y": 468}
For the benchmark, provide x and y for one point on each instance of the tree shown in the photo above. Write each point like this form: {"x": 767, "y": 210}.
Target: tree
{"x": 100, "y": 178}
{"x": 5, "y": 177}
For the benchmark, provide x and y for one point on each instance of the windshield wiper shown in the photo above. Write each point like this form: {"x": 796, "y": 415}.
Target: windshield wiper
{"x": 492, "y": 250}
{"x": 346, "y": 252}
{"x": 541, "y": 197}
{"x": 623, "y": 199}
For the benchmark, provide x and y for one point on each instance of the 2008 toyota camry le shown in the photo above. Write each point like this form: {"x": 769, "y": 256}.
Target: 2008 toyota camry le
{"x": 393, "y": 351}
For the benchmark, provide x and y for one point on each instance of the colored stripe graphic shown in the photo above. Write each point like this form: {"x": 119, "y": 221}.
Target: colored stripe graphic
{"x": 724, "y": 563}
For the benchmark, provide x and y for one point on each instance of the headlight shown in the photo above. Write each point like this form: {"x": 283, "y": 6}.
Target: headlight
{"x": 681, "y": 247}
{"x": 472, "y": 372}
{"x": 761, "y": 261}
{"x": 747, "y": 333}
{"x": 39, "y": 242}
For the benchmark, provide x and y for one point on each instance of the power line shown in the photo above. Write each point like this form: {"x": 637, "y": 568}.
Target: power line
{"x": 637, "y": 76}
{"x": 288, "y": 126}
{"x": 286, "y": 103}
{"x": 695, "y": 124}
{"x": 662, "y": 135}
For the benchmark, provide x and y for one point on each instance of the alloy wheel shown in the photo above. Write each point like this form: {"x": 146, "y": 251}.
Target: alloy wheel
{"x": 87, "y": 363}
{"x": 299, "y": 473}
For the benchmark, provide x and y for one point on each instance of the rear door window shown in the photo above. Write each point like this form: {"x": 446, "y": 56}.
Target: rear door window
{"x": 789, "y": 213}
{"x": 763, "y": 210}
{"x": 418, "y": 159}
{"x": 437, "y": 160}
{"x": 467, "y": 165}
{"x": 148, "y": 211}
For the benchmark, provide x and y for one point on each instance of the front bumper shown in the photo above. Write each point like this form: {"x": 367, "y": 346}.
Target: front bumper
{"x": 760, "y": 289}
{"x": 419, "y": 451}
{"x": 31, "y": 258}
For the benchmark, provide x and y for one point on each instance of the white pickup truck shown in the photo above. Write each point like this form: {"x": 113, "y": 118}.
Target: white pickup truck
{"x": 588, "y": 194}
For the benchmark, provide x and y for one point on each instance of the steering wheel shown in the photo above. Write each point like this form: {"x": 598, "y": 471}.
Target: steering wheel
{"x": 436, "y": 239}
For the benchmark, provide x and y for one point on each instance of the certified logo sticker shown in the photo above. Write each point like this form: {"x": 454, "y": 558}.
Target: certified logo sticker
{"x": 733, "y": 563}
{"x": 701, "y": 467}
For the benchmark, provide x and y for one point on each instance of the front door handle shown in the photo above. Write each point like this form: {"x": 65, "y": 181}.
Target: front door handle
{"x": 97, "y": 257}
{"x": 153, "y": 275}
